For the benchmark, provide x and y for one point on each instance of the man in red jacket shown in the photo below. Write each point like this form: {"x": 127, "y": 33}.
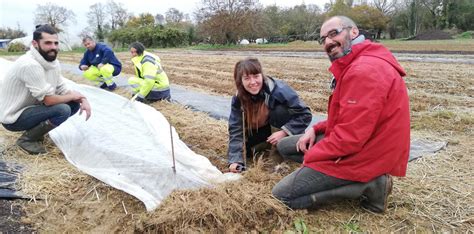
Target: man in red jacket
{"x": 366, "y": 137}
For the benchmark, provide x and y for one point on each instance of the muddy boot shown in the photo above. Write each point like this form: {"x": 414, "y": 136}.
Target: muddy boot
{"x": 373, "y": 194}
{"x": 32, "y": 140}
{"x": 375, "y": 197}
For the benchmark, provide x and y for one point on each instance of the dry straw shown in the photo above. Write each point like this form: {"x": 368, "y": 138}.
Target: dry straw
{"x": 436, "y": 195}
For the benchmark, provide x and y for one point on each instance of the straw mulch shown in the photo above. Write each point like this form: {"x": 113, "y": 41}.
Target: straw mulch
{"x": 435, "y": 196}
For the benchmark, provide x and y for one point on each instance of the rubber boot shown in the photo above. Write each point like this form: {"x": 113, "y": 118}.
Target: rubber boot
{"x": 112, "y": 87}
{"x": 32, "y": 140}
{"x": 375, "y": 197}
{"x": 373, "y": 194}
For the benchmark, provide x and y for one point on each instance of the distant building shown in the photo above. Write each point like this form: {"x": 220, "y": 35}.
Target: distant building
{"x": 4, "y": 43}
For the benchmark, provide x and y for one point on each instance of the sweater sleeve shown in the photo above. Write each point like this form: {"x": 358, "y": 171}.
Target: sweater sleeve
{"x": 34, "y": 78}
{"x": 361, "y": 101}
{"x": 61, "y": 87}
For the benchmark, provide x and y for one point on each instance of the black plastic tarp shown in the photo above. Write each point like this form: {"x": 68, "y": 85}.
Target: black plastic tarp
{"x": 7, "y": 181}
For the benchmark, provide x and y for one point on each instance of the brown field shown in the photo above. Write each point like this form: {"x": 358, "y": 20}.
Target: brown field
{"x": 435, "y": 196}
{"x": 459, "y": 46}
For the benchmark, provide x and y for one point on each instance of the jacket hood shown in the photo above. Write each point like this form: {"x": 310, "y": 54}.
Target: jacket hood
{"x": 366, "y": 48}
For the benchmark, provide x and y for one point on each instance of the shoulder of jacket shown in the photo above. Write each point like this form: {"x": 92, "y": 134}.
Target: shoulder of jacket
{"x": 103, "y": 46}
{"x": 148, "y": 58}
{"x": 270, "y": 83}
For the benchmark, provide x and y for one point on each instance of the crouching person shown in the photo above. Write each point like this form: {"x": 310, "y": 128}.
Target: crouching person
{"x": 33, "y": 95}
{"x": 367, "y": 133}
{"x": 261, "y": 103}
{"x": 150, "y": 82}
{"x": 100, "y": 64}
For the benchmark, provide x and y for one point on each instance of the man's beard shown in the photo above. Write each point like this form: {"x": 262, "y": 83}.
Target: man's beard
{"x": 346, "y": 49}
{"x": 45, "y": 54}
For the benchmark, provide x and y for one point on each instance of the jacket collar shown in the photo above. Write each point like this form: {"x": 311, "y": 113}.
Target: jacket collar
{"x": 45, "y": 64}
{"x": 338, "y": 65}
{"x": 137, "y": 59}
{"x": 366, "y": 48}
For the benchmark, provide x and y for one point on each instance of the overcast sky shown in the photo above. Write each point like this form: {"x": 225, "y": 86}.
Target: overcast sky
{"x": 21, "y": 12}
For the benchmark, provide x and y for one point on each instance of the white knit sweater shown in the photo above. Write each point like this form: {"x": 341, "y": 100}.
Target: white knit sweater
{"x": 28, "y": 81}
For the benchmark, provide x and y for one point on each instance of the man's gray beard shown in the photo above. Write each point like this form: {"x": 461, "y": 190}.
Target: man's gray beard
{"x": 344, "y": 53}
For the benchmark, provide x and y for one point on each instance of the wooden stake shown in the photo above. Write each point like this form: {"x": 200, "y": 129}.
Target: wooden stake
{"x": 172, "y": 148}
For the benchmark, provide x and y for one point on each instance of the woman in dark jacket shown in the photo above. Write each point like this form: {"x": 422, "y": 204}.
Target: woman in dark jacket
{"x": 260, "y": 104}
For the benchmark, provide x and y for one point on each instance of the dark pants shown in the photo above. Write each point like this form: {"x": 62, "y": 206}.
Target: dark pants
{"x": 154, "y": 96}
{"x": 34, "y": 115}
{"x": 278, "y": 117}
{"x": 287, "y": 147}
{"x": 296, "y": 188}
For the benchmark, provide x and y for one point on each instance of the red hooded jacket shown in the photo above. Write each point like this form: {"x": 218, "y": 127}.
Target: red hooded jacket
{"x": 367, "y": 132}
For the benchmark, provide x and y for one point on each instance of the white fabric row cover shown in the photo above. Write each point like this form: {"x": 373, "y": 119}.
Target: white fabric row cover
{"x": 128, "y": 146}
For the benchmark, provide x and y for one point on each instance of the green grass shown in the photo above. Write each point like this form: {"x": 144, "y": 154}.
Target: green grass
{"x": 352, "y": 226}
{"x": 213, "y": 47}
{"x": 238, "y": 47}
{"x": 398, "y": 45}
{"x": 431, "y": 42}
{"x": 466, "y": 35}
{"x": 6, "y": 53}
{"x": 300, "y": 226}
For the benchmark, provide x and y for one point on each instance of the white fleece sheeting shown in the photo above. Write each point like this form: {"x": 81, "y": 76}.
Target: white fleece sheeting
{"x": 128, "y": 146}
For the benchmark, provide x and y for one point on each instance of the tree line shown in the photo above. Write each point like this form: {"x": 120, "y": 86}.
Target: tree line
{"x": 228, "y": 21}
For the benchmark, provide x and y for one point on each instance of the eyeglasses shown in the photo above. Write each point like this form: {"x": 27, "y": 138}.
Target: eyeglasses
{"x": 331, "y": 34}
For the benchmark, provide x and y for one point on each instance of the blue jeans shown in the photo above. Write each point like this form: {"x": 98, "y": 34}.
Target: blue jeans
{"x": 34, "y": 115}
{"x": 296, "y": 188}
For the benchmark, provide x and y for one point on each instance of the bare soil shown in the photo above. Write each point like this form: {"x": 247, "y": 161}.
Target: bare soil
{"x": 435, "y": 196}
{"x": 11, "y": 213}
{"x": 433, "y": 35}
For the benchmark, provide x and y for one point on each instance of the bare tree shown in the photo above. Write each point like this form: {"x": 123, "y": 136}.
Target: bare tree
{"x": 159, "y": 19}
{"x": 350, "y": 3}
{"x": 118, "y": 14}
{"x": 173, "y": 15}
{"x": 96, "y": 18}
{"x": 10, "y": 33}
{"x": 142, "y": 20}
{"x": 225, "y": 21}
{"x": 57, "y": 16}
{"x": 387, "y": 7}
{"x": 434, "y": 7}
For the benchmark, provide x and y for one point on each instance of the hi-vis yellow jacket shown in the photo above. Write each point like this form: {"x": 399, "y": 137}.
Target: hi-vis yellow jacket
{"x": 148, "y": 67}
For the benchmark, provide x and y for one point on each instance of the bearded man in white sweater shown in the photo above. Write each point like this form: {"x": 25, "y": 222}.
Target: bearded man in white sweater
{"x": 34, "y": 97}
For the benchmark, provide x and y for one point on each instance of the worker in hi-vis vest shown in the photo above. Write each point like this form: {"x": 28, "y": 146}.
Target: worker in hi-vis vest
{"x": 150, "y": 82}
{"x": 99, "y": 64}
